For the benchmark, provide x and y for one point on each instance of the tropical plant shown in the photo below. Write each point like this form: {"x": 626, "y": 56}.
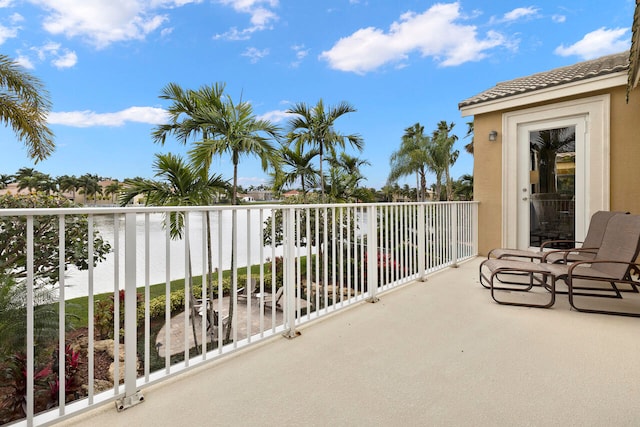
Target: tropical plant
{"x": 296, "y": 167}
{"x": 68, "y": 183}
{"x": 13, "y": 235}
{"x": 315, "y": 126}
{"x": 89, "y": 185}
{"x": 443, "y": 156}
{"x": 547, "y": 144}
{"x": 463, "y": 187}
{"x": 238, "y": 133}
{"x": 5, "y": 180}
{"x": 183, "y": 124}
{"x": 180, "y": 184}
{"x": 469, "y": 147}
{"x": 25, "y": 105}
{"x": 413, "y": 156}
{"x": 345, "y": 178}
{"x": 113, "y": 190}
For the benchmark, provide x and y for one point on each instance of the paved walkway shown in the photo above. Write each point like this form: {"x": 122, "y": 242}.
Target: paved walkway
{"x": 177, "y": 326}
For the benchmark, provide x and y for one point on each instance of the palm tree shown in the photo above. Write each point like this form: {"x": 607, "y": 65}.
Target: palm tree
{"x": 183, "y": 125}
{"x": 346, "y": 177}
{"x": 297, "y": 167}
{"x": 464, "y": 187}
{"x": 444, "y": 156}
{"x": 68, "y": 183}
{"x": 113, "y": 189}
{"x": 24, "y": 105}
{"x": 233, "y": 129}
{"x": 5, "y": 180}
{"x": 316, "y": 127}
{"x": 180, "y": 184}
{"x": 469, "y": 147}
{"x": 414, "y": 156}
{"x": 89, "y": 185}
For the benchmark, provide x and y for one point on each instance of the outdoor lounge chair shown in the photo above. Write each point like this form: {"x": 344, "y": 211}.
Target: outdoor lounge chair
{"x": 586, "y": 251}
{"x": 612, "y": 264}
{"x": 591, "y": 243}
{"x": 248, "y": 290}
{"x": 271, "y": 300}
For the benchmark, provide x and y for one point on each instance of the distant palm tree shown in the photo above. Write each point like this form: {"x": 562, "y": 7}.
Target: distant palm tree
{"x": 24, "y": 105}
{"x": 113, "y": 190}
{"x": 296, "y": 167}
{"x": 444, "y": 156}
{"x": 413, "y": 156}
{"x": 68, "y": 183}
{"x": 5, "y": 180}
{"x": 89, "y": 185}
{"x": 180, "y": 184}
{"x": 345, "y": 178}
{"x": 315, "y": 126}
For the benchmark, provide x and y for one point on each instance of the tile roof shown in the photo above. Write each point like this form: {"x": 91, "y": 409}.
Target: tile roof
{"x": 559, "y": 76}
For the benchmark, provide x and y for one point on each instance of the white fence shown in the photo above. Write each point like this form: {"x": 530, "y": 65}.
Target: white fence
{"x": 283, "y": 265}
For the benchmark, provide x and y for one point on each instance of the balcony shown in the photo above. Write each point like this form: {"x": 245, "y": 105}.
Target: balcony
{"x": 437, "y": 351}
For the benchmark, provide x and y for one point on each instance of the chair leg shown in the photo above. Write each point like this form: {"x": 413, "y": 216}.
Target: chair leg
{"x": 549, "y": 279}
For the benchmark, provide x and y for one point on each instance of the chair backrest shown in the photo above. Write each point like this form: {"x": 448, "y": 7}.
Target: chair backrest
{"x": 621, "y": 242}
{"x": 597, "y": 226}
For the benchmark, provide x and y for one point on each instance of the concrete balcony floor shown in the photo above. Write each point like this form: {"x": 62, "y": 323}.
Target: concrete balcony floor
{"x": 434, "y": 353}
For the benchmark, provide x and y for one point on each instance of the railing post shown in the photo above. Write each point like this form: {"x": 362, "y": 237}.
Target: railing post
{"x": 289, "y": 273}
{"x": 422, "y": 240}
{"x": 132, "y": 396}
{"x": 474, "y": 225}
{"x": 372, "y": 254}
{"x": 454, "y": 235}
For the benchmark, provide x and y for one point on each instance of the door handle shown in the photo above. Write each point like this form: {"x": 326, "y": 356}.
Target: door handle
{"x": 525, "y": 199}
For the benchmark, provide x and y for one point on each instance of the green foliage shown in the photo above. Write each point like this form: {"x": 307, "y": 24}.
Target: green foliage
{"x": 13, "y": 239}
{"x": 13, "y": 320}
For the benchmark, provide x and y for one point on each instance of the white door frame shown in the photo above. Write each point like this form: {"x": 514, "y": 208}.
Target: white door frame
{"x": 596, "y": 113}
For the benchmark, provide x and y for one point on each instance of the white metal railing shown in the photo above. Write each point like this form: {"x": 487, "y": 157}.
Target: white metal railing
{"x": 324, "y": 257}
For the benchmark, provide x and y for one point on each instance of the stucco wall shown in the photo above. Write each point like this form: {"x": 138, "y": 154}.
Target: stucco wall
{"x": 624, "y": 156}
{"x": 625, "y": 151}
{"x": 487, "y": 180}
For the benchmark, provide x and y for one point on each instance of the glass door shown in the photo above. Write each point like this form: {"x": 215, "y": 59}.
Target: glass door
{"x": 552, "y": 185}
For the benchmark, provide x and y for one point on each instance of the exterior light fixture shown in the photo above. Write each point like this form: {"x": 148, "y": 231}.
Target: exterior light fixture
{"x": 493, "y": 135}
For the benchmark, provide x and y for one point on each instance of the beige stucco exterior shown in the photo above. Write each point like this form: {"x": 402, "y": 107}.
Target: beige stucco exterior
{"x": 624, "y": 160}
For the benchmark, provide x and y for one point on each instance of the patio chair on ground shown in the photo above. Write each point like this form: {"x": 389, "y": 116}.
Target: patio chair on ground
{"x": 248, "y": 290}
{"x": 612, "y": 264}
{"x": 271, "y": 300}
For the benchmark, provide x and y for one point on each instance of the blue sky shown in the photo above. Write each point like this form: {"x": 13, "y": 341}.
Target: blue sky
{"x": 399, "y": 62}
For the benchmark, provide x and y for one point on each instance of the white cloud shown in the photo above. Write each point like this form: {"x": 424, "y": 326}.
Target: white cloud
{"x": 520, "y": 12}
{"x": 597, "y": 43}
{"x": 87, "y": 118}
{"x": 7, "y": 33}
{"x": 5, "y": 3}
{"x": 60, "y": 57}
{"x": 255, "y": 54}
{"x": 301, "y": 53}
{"x": 370, "y": 48}
{"x": 261, "y": 13}
{"x": 559, "y": 19}
{"x": 25, "y": 62}
{"x": 102, "y": 22}
{"x": 275, "y": 116}
{"x": 65, "y": 60}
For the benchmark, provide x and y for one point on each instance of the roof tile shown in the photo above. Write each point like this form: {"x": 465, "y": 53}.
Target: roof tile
{"x": 559, "y": 76}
